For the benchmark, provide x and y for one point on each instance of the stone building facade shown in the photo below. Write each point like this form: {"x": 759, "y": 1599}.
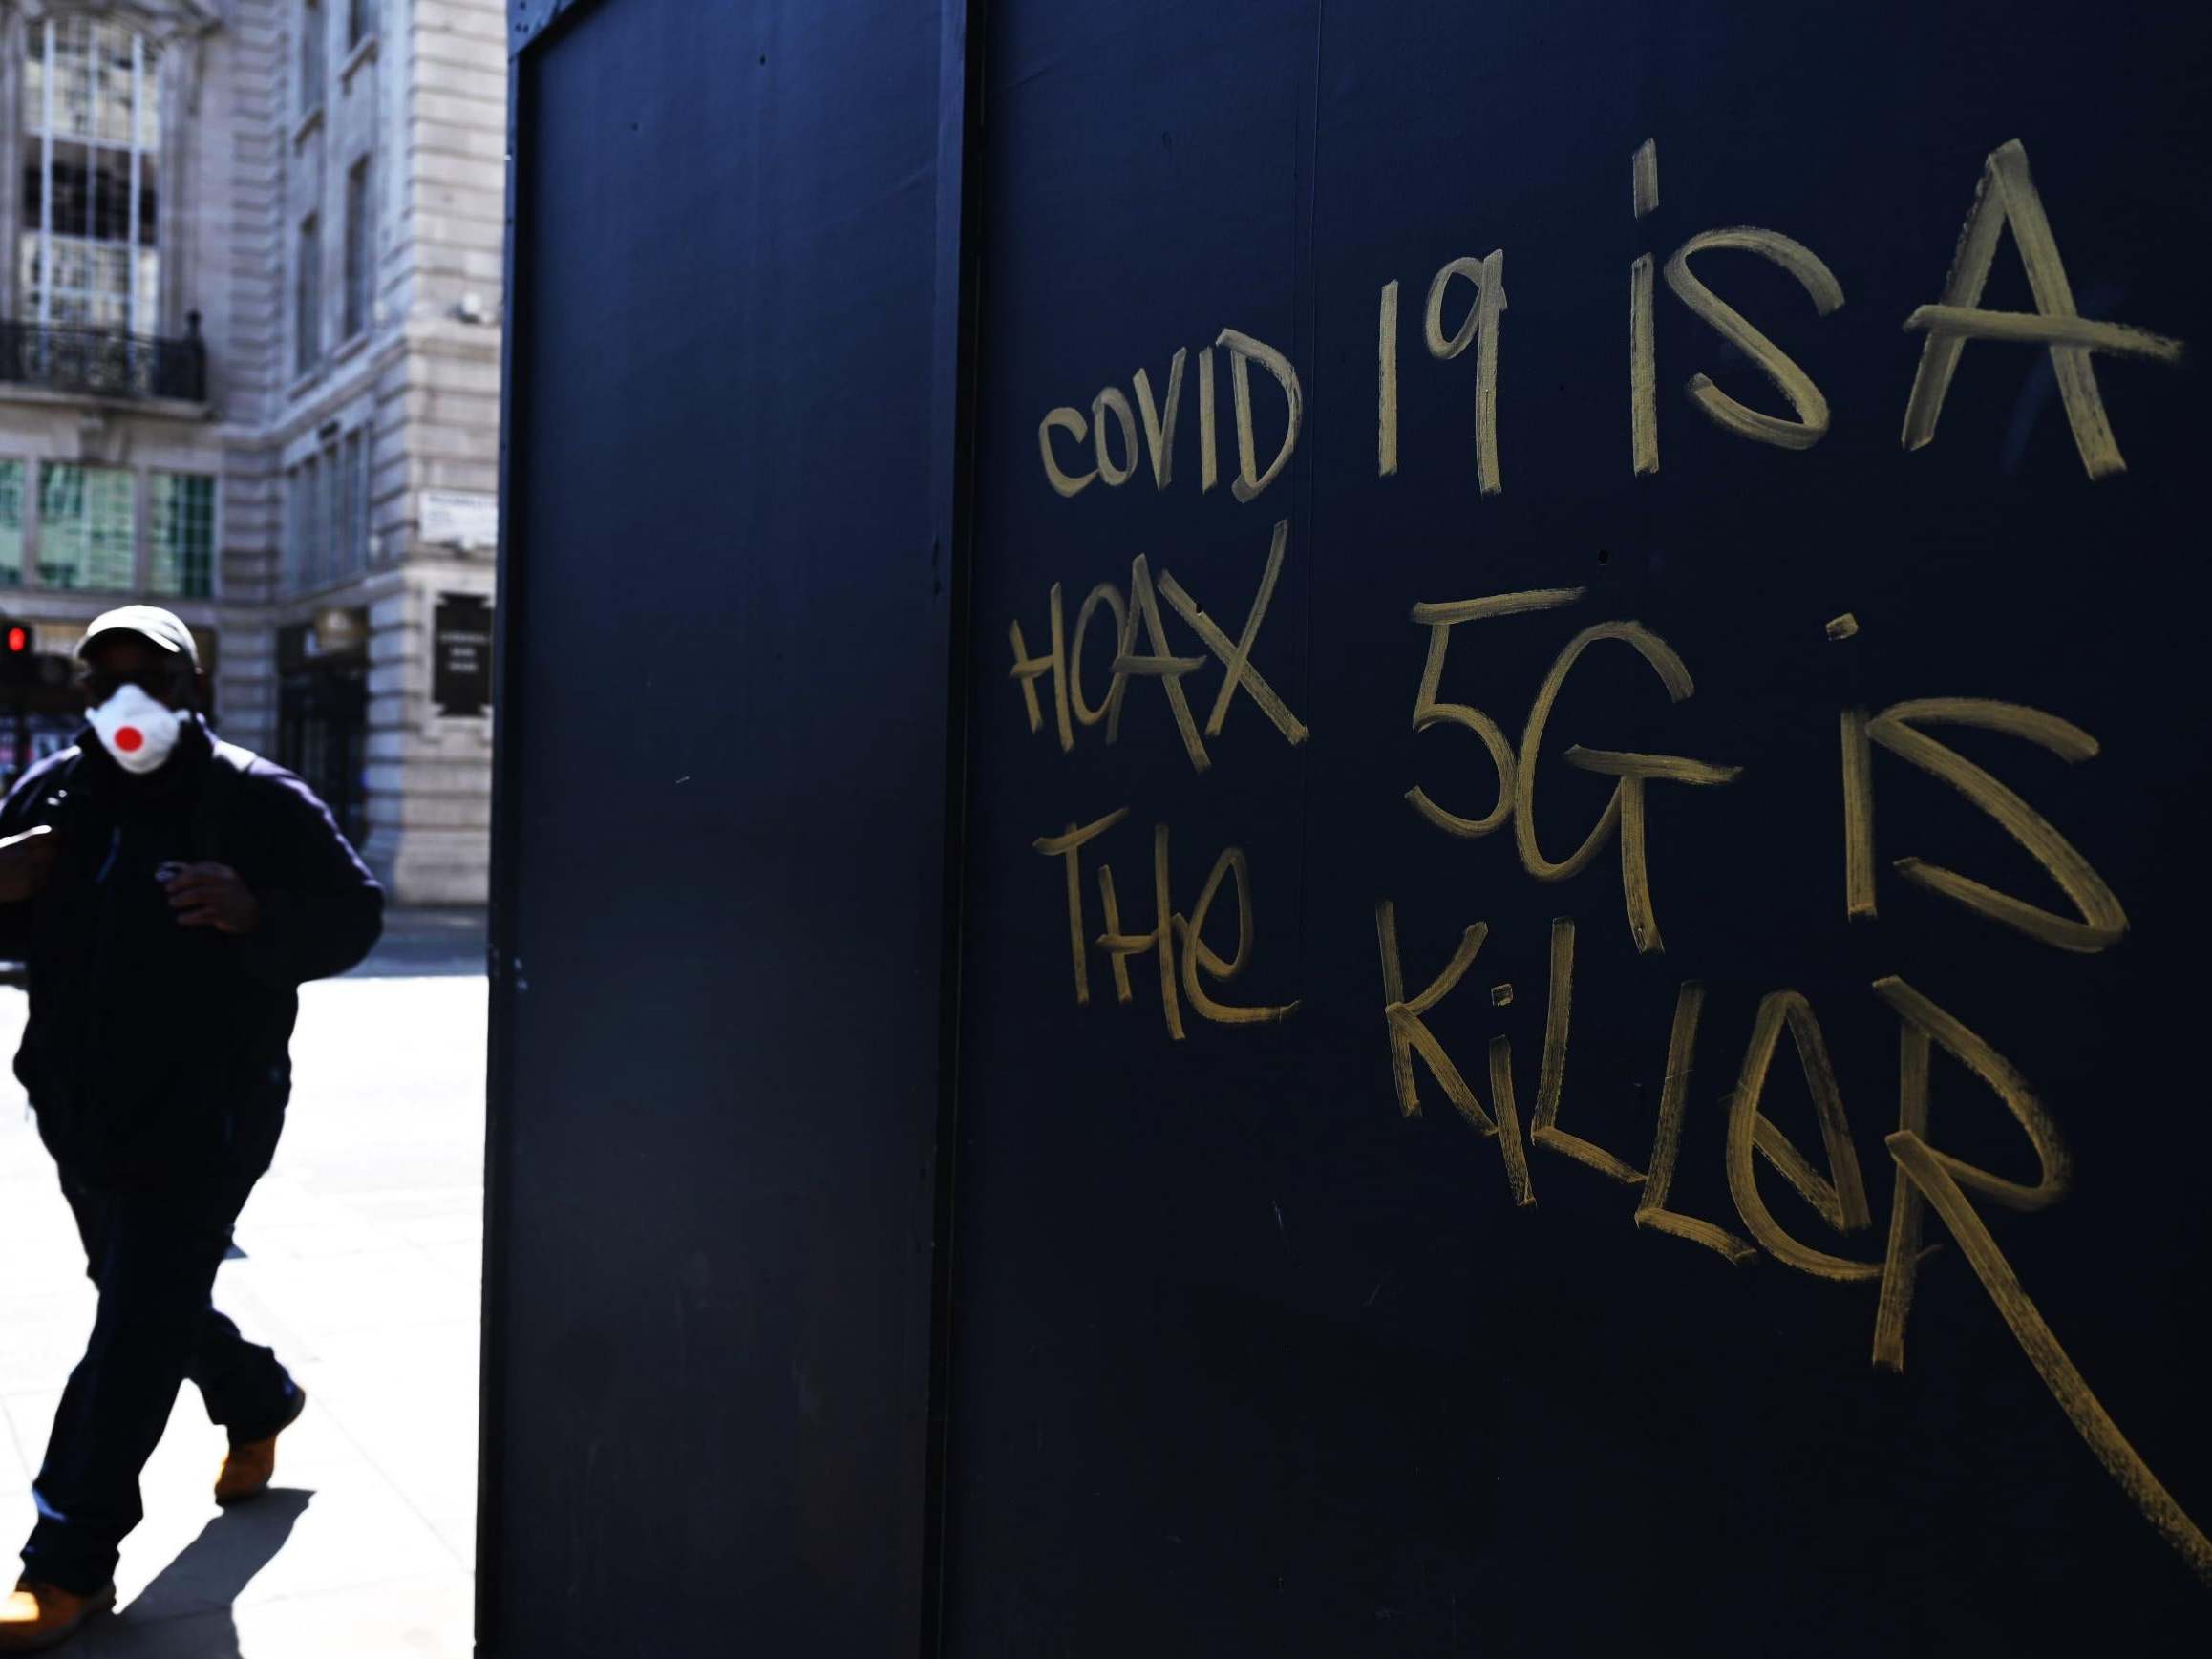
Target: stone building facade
{"x": 249, "y": 345}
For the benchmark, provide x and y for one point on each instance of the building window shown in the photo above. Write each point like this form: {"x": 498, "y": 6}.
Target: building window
{"x": 12, "y": 522}
{"x": 360, "y": 247}
{"x": 357, "y": 469}
{"x": 87, "y": 527}
{"x": 294, "y": 515}
{"x": 310, "y": 524}
{"x": 360, "y": 22}
{"x": 311, "y": 46}
{"x": 309, "y": 302}
{"x": 88, "y": 245}
{"x": 295, "y": 524}
{"x": 339, "y": 466}
{"x": 181, "y": 535}
{"x": 327, "y": 514}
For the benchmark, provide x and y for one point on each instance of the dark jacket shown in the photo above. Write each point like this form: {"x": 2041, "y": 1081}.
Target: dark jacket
{"x": 156, "y": 1052}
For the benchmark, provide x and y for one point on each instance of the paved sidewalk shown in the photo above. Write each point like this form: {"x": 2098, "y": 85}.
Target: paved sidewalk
{"x": 361, "y": 1267}
{"x": 419, "y": 941}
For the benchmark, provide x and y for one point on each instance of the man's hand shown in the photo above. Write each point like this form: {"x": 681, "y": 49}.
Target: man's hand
{"x": 26, "y": 861}
{"x": 213, "y": 896}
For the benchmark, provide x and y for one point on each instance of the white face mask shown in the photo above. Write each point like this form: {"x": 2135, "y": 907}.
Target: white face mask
{"x": 138, "y": 731}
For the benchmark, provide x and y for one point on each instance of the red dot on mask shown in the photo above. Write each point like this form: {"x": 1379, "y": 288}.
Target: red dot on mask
{"x": 129, "y": 739}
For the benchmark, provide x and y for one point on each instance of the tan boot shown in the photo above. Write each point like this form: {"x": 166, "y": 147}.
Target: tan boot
{"x": 249, "y": 1468}
{"x": 39, "y": 1616}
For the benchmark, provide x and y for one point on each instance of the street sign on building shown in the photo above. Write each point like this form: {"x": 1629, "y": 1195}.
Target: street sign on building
{"x": 465, "y": 519}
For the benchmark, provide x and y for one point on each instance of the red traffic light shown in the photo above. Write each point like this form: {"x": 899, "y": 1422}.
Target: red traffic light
{"x": 18, "y": 641}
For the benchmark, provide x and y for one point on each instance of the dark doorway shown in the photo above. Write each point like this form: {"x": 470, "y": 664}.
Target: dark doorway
{"x": 323, "y": 722}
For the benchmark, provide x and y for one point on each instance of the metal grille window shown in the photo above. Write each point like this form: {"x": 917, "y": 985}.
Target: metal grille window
{"x": 180, "y": 534}
{"x": 360, "y": 246}
{"x": 87, "y": 529}
{"x": 11, "y": 522}
{"x": 88, "y": 246}
{"x": 307, "y": 322}
{"x": 311, "y": 46}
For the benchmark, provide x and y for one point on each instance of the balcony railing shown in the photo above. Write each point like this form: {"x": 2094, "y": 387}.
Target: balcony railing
{"x": 104, "y": 362}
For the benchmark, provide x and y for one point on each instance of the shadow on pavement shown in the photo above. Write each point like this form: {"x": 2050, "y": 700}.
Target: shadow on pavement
{"x": 195, "y": 1592}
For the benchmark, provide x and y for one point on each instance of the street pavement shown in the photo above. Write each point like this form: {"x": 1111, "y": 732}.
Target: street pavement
{"x": 362, "y": 1254}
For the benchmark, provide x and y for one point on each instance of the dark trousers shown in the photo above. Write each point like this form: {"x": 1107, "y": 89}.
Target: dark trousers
{"x": 154, "y": 1255}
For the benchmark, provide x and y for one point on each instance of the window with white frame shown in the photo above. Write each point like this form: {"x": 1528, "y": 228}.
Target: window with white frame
{"x": 12, "y": 522}
{"x": 87, "y": 527}
{"x": 88, "y": 247}
{"x": 181, "y": 535}
{"x": 88, "y": 523}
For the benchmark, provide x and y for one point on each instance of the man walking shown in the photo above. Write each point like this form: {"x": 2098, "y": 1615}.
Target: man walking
{"x": 168, "y": 894}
